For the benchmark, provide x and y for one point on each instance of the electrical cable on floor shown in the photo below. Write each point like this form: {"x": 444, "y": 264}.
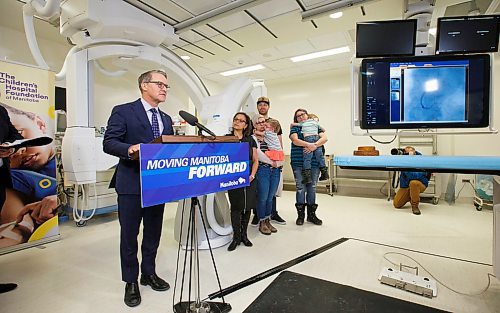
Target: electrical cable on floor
{"x": 489, "y": 275}
{"x": 421, "y": 252}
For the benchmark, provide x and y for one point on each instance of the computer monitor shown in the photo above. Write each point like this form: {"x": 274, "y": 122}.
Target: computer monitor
{"x": 425, "y": 92}
{"x": 386, "y": 38}
{"x": 467, "y": 34}
{"x": 60, "y": 121}
{"x": 60, "y": 98}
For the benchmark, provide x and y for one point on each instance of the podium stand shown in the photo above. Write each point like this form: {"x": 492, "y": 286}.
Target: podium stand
{"x": 190, "y": 270}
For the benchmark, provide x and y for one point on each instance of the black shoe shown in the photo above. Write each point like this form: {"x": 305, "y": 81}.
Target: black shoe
{"x": 7, "y": 287}
{"x": 315, "y": 220}
{"x": 255, "y": 220}
{"x": 299, "y": 221}
{"x": 246, "y": 241}
{"x": 233, "y": 245}
{"x": 277, "y": 219}
{"x": 132, "y": 295}
{"x": 155, "y": 282}
{"x": 324, "y": 173}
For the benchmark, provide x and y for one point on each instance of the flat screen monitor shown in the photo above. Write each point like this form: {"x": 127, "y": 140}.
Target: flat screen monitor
{"x": 425, "y": 92}
{"x": 467, "y": 34}
{"x": 60, "y": 98}
{"x": 386, "y": 38}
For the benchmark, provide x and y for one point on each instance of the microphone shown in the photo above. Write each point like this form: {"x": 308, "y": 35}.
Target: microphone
{"x": 193, "y": 121}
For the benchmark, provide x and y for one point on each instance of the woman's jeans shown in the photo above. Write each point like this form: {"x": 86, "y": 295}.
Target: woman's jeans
{"x": 306, "y": 193}
{"x": 268, "y": 179}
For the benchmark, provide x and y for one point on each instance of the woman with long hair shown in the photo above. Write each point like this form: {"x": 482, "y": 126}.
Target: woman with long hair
{"x": 243, "y": 199}
{"x": 305, "y": 196}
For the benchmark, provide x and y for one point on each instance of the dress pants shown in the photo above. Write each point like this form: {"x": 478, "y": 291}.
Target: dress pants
{"x": 411, "y": 193}
{"x": 130, "y": 215}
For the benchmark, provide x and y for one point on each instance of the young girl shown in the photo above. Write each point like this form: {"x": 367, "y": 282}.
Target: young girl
{"x": 275, "y": 152}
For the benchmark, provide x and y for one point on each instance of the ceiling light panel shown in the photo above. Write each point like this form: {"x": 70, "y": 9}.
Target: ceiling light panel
{"x": 320, "y": 54}
{"x": 242, "y": 70}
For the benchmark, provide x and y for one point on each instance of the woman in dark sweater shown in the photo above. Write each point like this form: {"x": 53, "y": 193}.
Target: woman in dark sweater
{"x": 243, "y": 200}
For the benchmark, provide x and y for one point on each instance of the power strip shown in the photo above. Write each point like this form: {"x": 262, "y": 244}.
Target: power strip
{"x": 421, "y": 285}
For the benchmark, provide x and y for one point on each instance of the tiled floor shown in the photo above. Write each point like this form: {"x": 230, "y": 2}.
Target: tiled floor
{"x": 81, "y": 273}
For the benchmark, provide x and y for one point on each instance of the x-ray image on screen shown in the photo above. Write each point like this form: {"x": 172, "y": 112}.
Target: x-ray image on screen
{"x": 434, "y": 94}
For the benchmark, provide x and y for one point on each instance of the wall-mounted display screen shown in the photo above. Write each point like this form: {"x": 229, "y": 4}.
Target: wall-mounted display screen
{"x": 386, "y": 38}
{"x": 467, "y": 34}
{"x": 60, "y": 98}
{"x": 425, "y": 92}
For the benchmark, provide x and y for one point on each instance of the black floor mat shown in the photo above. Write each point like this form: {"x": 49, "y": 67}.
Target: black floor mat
{"x": 295, "y": 293}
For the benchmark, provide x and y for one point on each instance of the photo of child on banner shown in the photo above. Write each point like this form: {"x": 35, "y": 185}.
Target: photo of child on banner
{"x": 32, "y": 200}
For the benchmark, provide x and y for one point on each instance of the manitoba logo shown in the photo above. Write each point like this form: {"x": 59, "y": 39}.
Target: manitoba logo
{"x": 231, "y": 183}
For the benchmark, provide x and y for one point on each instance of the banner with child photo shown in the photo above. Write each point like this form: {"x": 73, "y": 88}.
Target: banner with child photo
{"x": 29, "y": 214}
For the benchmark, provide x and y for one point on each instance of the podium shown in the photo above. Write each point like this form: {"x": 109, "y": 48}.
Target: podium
{"x": 183, "y": 161}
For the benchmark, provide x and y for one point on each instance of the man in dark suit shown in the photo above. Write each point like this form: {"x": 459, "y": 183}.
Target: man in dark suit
{"x": 129, "y": 125}
{"x": 8, "y": 133}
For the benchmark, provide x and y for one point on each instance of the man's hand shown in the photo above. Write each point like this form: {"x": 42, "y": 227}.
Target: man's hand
{"x": 133, "y": 149}
{"x": 40, "y": 211}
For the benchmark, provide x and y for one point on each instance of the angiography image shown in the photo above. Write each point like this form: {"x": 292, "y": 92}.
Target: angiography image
{"x": 434, "y": 94}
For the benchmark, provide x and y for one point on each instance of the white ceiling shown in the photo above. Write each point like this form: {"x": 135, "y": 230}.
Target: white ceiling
{"x": 267, "y": 33}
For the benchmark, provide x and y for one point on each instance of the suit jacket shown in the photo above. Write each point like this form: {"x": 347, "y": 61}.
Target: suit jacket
{"x": 129, "y": 125}
{"x": 8, "y": 133}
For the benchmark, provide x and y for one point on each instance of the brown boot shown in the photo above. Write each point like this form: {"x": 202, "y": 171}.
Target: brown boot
{"x": 263, "y": 228}
{"x": 270, "y": 226}
{"x": 415, "y": 210}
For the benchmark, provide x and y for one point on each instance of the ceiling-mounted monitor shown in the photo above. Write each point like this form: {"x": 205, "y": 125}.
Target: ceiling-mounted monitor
{"x": 425, "y": 92}
{"x": 386, "y": 38}
{"x": 467, "y": 34}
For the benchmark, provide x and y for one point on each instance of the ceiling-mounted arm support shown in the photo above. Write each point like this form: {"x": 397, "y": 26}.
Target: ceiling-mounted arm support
{"x": 215, "y": 14}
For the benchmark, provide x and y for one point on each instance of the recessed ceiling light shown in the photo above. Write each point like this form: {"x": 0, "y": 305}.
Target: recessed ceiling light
{"x": 320, "y": 54}
{"x": 243, "y": 70}
{"x": 185, "y": 57}
{"x": 336, "y": 15}
{"x": 433, "y": 31}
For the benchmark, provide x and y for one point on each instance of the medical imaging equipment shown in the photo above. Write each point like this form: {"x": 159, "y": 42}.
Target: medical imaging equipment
{"x": 467, "y": 34}
{"x": 114, "y": 30}
{"x": 425, "y": 92}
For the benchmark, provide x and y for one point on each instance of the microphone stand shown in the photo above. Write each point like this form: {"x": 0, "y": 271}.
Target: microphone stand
{"x": 200, "y": 133}
{"x": 196, "y": 306}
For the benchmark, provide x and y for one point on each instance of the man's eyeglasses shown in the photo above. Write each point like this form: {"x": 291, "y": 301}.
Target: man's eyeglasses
{"x": 160, "y": 85}
{"x": 239, "y": 120}
{"x": 300, "y": 115}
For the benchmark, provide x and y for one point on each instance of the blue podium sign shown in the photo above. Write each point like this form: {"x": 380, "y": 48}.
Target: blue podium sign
{"x": 177, "y": 171}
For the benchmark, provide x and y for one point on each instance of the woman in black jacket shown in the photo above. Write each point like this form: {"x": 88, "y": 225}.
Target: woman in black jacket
{"x": 243, "y": 200}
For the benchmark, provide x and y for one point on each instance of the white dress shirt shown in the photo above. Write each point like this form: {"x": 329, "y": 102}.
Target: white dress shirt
{"x": 148, "y": 107}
